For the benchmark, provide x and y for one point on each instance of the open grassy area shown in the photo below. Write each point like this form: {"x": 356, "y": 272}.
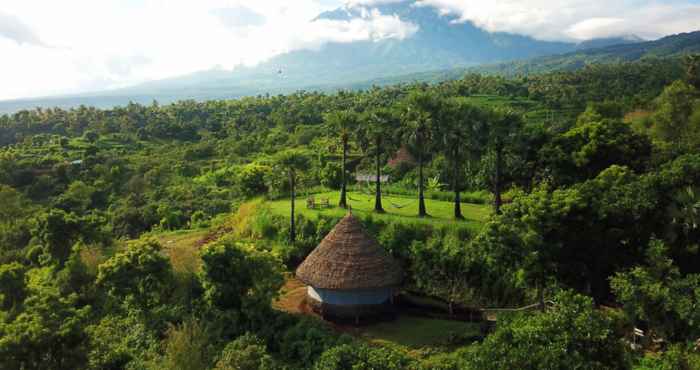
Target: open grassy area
{"x": 412, "y": 332}
{"x": 181, "y": 247}
{"x": 395, "y": 206}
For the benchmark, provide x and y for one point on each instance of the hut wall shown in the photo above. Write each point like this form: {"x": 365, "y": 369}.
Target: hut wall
{"x": 350, "y": 297}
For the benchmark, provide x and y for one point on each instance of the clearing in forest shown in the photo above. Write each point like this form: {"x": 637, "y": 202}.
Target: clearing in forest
{"x": 395, "y": 206}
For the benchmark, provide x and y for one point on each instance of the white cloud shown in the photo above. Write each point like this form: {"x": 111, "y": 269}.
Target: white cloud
{"x": 576, "y": 19}
{"x": 114, "y": 43}
{"x": 14, "y": 29}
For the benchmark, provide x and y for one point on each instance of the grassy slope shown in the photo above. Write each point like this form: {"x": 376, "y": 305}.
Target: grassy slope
{"x": 396, "y": 207}
{"x": 411, "y": 332}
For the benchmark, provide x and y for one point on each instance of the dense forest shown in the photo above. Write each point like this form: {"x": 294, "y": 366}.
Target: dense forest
{"x": 588, "y": 181}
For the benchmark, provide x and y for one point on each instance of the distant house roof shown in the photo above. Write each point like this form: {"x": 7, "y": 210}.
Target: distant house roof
{"x": 371, "y": 178}
{"x": 349, "y": 259}
{"x": 401, "y": 156}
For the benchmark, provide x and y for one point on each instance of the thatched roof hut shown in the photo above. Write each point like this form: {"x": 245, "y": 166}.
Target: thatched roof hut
{"x": 349, "y": 273}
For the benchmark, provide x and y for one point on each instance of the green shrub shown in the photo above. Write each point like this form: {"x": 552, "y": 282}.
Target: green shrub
{"x": 361, "y": 356}
{"x": 572, "y": 335}
{"x": 307, "y": 340}
{"x": 677, "y": 357}
{"x": 186, "y": 347}
{"x": 247, "y": 352}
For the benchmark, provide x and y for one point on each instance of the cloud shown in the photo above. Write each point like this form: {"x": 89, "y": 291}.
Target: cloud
{"x": 125, "y": 66}
{"x": 115, "y": 43}
{"x": 575, "y": 19}
{"x": 14, "y": 29}
{"x": 370, "y": 26}
{"x": 355, "y": 3}
{"x": 239, "y": 16}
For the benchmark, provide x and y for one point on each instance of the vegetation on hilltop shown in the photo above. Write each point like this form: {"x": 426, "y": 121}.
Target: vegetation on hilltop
{"x": 597, "y": 170}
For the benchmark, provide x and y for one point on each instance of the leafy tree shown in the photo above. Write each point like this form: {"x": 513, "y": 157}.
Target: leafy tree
{"x": 292, "y": 161}
{"x": 14, "y": 225}
{"x": 571, "y": 335}
{"x": 344, "y": 123}
{"x": 234, "y": 277}
{"x": 586, "y": 150}
{"x": 660, "y": 295}
{"x": 251, "y": 179}
{"x": 692, "y": 69}
{"x": 247, "y": 352}
{"x": 439, "y": 269}
{"x": 12, "y": 286}
{"x": 362, "y": 357}
{"x": 673, "y": 112}
{"x": 119, "y": 342}
{"x": 57, "y": 231}
{"x": 48, "y": 334}
{"x": 77, "y": 198}
{"x": 139, "y": 274}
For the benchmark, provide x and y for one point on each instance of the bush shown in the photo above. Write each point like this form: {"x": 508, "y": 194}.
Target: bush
{"x": 234, "y": 277}
{"x": 307, "y": 340}
{"x": 140, "y": 274}
{"x": 248, "y": 352}
{"x": 677, "y": 357}
{"x": 251, "y": 179}
{"x": 116, "y": 342}
{"x": 186, "y": 347}
{"x": 572, "y": 335}
{"x": 331, "y": 175}
{"x": 360, "y": 356}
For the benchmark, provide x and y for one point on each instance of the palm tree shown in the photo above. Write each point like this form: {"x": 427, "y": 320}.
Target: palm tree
{"x": 457, "y": 133}
{"x": 292, "y": 161}
{"x": 419, "y": 115}
{"x": 343, "y": 122}
{"x": 504, "y": 125}
{"x": 378, "y": 125}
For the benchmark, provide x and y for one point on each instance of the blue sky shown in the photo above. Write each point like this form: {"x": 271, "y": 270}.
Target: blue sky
{"x": 54, "y": 47}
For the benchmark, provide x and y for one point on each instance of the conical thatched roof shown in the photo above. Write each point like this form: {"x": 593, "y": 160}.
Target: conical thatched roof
{"x": 348, "y": 258}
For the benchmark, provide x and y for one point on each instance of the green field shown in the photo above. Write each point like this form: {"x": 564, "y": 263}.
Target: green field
{"x": 395, "y": 206}
{"x": 411, "y": 332}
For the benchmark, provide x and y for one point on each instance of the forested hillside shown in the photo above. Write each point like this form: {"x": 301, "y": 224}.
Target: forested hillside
{"x": 665, "y": 48}
{"x": 160, "y": 236}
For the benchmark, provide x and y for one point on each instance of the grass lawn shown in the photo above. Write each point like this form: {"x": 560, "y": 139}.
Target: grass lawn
{"x": 412, "y": 332}
{"x": 395, "y": 206}
{"x": 181, "y": 248}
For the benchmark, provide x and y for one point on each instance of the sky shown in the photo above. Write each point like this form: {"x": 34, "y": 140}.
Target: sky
{"x": 59, "y": 47}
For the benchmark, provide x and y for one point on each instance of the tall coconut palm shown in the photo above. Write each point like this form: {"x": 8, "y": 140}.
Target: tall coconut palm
{"x": 420, "y": 114}
{"x": 457, "y": 133}
{"x": 292, "y": 161}
{"x": 378, "y": 126}
{"x": 504, "y": 126}
{"x": 344, "y": 123}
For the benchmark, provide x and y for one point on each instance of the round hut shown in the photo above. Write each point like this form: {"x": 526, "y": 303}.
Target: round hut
{"x": 349, "y": 275}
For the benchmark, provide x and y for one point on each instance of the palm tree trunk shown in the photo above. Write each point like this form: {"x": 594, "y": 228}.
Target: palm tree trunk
{"x": 497, "y": 181}
{"x": 421, "y": 196}
{"x": 292, "y": 226}
{"x": 455, "y": 182}
{"x": 343, "y": 188}
{"x": 378, "y": 196}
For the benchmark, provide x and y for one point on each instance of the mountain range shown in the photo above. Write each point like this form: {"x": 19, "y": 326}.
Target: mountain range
{"x": 440, "y": 43}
